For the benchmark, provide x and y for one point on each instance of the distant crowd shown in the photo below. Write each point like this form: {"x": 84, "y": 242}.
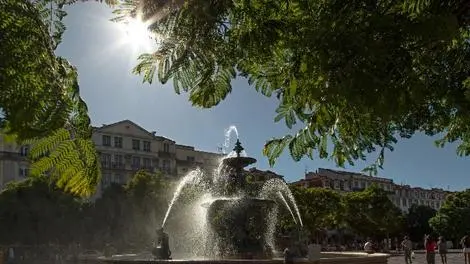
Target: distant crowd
{"x": 431, "y": 247}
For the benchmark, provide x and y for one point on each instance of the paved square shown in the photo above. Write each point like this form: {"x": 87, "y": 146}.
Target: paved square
{"x": 454, "y": 258}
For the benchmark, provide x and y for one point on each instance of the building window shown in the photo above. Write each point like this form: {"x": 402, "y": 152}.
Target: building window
{"x": 189, "y": 158}
{"x": 105, "y": 181}
{"x": 166, "y": 165}
{"x": 147, "y": 163}
{"x": 118, "y": 161}
{"x": 23, "y": 172}
{"x": 147, "y": 146}
{"x": 156, "y": 162}
{"x": 118, "y": 178}
{"x": 118, "y": 142}
{"x": 24, "y": 150}
{"x": 135, "y": 162}
{"x": 136, "y": 144}
{"x": 106, "y": 140}
{"x": 106, "y": 160}
{"x": 166, "y": 147}
{"x": 336, "y": 185}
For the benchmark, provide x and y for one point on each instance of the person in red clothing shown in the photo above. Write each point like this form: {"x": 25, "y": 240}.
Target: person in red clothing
{"x": 430, "y": 247}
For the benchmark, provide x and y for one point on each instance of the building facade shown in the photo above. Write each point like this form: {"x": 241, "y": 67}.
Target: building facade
{"x": 124, "y": 148}
{"x": 343, "y": 181}
{"x": 14, "y": 164}
{"x": 403, "y": 196}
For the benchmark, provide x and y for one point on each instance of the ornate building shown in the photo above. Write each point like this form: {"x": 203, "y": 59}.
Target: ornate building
{"x": 403, "y": 196}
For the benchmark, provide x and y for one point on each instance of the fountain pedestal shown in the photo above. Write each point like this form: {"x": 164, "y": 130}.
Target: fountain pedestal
{"x": 240, "y": 222}
{"x": 240, "y": 226}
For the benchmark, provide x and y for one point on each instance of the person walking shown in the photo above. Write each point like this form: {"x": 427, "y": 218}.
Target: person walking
{"x": 442, "y": 249}
{"x": 430, "y": 247}
{"x": 407, "y": 247}
{"x": 465, "y": 242}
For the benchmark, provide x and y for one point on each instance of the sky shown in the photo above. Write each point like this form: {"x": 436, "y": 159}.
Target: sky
{"x": 104, "y": 56}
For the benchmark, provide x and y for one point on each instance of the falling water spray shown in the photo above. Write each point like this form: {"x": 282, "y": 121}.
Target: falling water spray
{"x": 192, "y": 177}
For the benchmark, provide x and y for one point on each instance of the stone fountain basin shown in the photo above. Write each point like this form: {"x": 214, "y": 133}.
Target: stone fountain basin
{"x": 238, "y": 162}
{"x": 326, "y": 257}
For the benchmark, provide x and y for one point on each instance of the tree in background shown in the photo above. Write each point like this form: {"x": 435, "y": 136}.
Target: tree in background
{"x": 320, "y": 209}
{"x": 147, "y": 200}
{"x": 108, "y": 216}
{"x": 370, "y": 213}
{"x": 126, "y": 216}
{"x": 417, "y": 221}
{"x": 451, "y": 219}
{"x": 34, "y": 212}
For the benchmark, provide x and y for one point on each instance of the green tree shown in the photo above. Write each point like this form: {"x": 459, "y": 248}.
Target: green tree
{"x": 370, "y": 213}
{"x": 320, "y": 209}
{"x": 34, "y": 212}
{"x": 451, "y": 220}
{"x": 357, "y": 74}
{"x": 147, "y": 199}
{"x": 40, "y": 102}
{"x": 417, "y": 221}
{"x": 109, "y": 214}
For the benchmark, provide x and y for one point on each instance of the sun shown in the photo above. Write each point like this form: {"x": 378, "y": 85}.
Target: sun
{"x": 136, "y": 33}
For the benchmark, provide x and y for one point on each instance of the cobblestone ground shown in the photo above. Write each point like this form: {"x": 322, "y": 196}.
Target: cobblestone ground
{"x": 454, "y": 258}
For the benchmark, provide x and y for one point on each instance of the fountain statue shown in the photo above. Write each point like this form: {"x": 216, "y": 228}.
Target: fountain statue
{"x": 161, "y": 248}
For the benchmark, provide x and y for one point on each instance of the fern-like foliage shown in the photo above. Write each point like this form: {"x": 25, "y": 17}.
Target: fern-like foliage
{"x": 70, "y": 162}
{"x": 40, "y": 96}
{"x": 194, "y": 64}
{"x": 357, "y": 74}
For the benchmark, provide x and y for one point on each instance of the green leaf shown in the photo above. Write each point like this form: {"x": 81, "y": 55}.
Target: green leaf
{"x": 273, "y": 148}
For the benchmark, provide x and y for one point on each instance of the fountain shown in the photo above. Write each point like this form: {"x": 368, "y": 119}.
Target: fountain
{"x": 238, "y": 220}
{"x": 238, "y": 226}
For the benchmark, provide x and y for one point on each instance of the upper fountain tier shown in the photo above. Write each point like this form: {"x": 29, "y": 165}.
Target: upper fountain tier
{"x": 238, "y": 162}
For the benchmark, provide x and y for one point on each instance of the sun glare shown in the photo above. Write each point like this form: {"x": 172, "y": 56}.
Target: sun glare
{"x": 137, "y": 35}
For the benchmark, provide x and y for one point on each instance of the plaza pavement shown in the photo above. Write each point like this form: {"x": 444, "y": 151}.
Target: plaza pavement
{"x": 453, "y": 258}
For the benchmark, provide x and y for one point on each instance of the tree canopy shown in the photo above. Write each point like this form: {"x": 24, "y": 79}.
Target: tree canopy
{"x": 34, "y": 212}
{"x": 40, "y": 102}
{"x": 417, "y": 221}
{"x": 371, "y": 213}
{"x": 451, "y": 220}
{"x": 320, "y": 209}
{"x": 357, "y": 74}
